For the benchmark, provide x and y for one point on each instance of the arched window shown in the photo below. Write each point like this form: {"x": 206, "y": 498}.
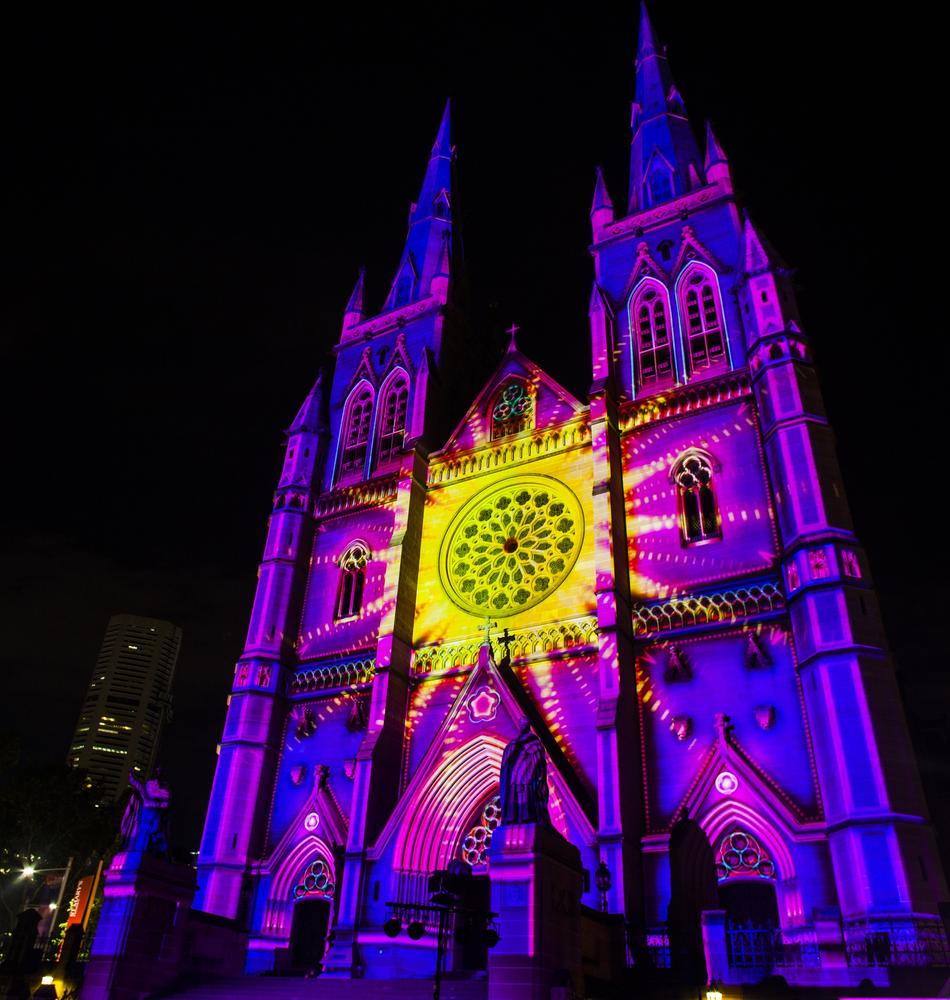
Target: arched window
{"x": 512, "y": 410}
{"x": 349, "y": 595}
{"x": 355, "y": 435}
{"x": 650, "y": 322}
{"x": 699, "y": 514}
{"x": 701, "y": 310}
{"x": 392, "y": 419}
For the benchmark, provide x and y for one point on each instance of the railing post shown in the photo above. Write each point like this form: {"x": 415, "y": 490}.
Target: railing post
{"x": 831, "y": 948}
{"x": 714, "y": 945}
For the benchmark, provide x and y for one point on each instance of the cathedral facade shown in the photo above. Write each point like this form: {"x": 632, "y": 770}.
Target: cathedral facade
{"x": 662, "y": 580}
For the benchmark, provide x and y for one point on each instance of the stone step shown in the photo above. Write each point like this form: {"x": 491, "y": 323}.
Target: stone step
{"x": 289, "y": 988}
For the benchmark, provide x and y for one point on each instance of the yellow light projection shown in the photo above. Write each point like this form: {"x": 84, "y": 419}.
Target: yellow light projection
{"x": 512, "y": 545}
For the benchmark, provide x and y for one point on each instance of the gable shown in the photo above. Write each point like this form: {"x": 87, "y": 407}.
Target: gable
{"x": 550, "y": 404}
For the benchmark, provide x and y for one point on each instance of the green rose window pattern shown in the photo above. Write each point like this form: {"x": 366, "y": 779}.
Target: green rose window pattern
{"x": 477, "y": 840}
{"x": 512, "y": 546}
{"x": 511, "y": 410}
{"x": 740, "y": 854}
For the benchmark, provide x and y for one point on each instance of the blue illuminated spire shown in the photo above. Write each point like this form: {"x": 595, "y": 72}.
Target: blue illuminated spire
{"x": 430, "y": 224}
{"x": 663, "y": 149}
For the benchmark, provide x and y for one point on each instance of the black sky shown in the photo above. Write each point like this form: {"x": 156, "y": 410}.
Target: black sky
{"x": 188, "y": 199}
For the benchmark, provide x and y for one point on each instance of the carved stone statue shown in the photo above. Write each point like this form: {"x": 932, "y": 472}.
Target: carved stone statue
{"x": 145, "y": 821}
{"x": 524, "y": 780}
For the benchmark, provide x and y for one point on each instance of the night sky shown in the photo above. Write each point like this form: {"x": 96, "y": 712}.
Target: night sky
{"x": 188, "y": 199}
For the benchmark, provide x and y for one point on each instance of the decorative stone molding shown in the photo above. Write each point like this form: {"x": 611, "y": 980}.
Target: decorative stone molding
{"x": 521, "y": 449}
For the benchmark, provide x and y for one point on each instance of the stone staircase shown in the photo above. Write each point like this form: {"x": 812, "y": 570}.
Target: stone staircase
{"x": 289, "y": 988}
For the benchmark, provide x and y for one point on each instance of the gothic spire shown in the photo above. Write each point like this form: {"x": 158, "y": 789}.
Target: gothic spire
{"x": 354, "y": 312}
{"x": 308, "y": 417}
{"x": 757, "y": 253}
{"x": 663, "y": 148}
{"x": 429, "y": 218}
{"x": 602, "y": 208}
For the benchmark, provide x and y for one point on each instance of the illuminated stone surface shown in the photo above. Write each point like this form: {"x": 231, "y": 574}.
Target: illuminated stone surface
{"x": 672, "y": 587}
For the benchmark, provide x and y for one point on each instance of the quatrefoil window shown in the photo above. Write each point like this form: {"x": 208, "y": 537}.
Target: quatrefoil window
{"x": 512, "y": 410}
{"x": 512, "y": 546}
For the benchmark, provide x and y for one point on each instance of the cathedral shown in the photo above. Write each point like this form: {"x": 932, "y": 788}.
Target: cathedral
{"x": 659, "y": 582}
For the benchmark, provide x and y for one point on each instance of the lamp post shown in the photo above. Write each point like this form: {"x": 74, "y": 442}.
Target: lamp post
{"x": 603, "y": 882}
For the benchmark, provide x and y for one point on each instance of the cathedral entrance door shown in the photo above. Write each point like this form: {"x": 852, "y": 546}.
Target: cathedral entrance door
{"x": 308, "y": 933}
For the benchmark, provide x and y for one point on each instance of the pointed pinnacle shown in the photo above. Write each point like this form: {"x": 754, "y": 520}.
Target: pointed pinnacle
{"x": 308, "y": 416}
{"x": 596, "y": 303}
{"x": 714, "y": 151}
{"x": 755, "y": 257}
{"x": 355, "y": 303}
{"x": 443, "y": 140}
{"x": 601, "y": 195}
{"x": 646, "y": 45}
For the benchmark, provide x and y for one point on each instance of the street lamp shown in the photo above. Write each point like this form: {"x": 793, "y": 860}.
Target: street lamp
{"x": 713, "y": 992}
{"x": 603, "y": 882}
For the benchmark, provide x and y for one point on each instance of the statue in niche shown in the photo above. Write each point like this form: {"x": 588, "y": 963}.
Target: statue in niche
{"x": 524, "y": 780}
{"x": 145, "y": 821}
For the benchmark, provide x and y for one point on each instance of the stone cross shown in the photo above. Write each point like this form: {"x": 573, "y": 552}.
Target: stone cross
{"x": 487, "y": 627}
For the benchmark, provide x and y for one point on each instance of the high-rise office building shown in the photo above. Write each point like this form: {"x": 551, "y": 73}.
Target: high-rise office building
{"x": 127, "y": 702}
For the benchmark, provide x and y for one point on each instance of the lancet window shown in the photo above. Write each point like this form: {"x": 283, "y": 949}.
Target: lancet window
{"x": 699, "y": 513}
{"x": 356, "y": 429}
{"x": 650, "y": 319}
{"x": 701, "y": 309}
{"x": 512, "y": 410}
{"x": 349, "y": 595}
{"x": 392, "y": 419}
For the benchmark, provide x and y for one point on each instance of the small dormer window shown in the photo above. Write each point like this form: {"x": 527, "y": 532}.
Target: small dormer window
{"x": 512, "y": 411}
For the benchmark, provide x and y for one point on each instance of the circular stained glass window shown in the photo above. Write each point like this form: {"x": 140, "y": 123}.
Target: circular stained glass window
{"x": 512, "y": 545}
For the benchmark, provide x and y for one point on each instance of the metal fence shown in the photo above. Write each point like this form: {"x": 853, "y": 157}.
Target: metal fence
{"x": 896, "y": 942}
{"x": 763, "y": 947}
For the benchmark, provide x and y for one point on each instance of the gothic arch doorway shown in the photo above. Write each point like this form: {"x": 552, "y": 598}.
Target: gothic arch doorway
{"x": 693, "y": 889}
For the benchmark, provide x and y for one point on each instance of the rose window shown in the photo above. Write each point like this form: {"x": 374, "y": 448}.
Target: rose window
{"x": 740, "y": 854}
{"x": 475, "y": 844}
{"x": 511, "y": 546}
